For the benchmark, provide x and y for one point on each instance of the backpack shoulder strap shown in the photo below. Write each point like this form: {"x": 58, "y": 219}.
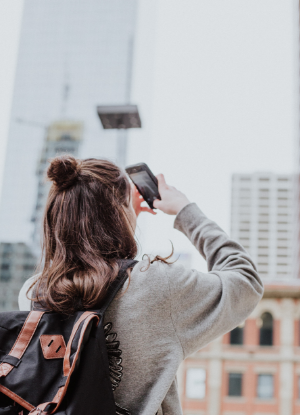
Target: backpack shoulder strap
{"x": 116, "y": 285}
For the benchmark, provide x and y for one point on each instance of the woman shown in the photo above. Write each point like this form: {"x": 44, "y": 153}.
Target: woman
{"x": 165, "y": 312}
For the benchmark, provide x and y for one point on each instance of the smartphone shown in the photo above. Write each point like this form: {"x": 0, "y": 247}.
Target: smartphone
{"x": 145, "y": 181}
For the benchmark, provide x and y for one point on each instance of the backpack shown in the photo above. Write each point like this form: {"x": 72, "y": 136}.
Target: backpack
{"x": 53, "y": 363}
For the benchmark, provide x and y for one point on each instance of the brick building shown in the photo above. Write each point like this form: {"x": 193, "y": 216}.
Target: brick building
{"x": 253, "y": 370}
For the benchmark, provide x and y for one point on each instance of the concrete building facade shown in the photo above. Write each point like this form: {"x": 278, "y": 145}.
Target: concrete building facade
{"x": 263, "y": 221}
{"x": 253, "y": 370}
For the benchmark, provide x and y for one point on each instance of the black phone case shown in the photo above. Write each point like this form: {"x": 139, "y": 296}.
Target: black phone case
{"x": 143, "y": 167}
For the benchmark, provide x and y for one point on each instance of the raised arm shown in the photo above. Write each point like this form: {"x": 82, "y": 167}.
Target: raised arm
{"x": 207, "y": 305}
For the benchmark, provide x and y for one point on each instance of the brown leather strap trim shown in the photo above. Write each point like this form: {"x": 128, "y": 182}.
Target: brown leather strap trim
{"x": 53, "y": 346}
{"x": 16, "y": 398}
{"x": 86, "y": 317}
{"x": 23, "y": 340}
{"x": 67, "y": 367}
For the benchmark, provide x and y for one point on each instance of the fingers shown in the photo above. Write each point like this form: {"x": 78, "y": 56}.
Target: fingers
{"x": 157, "y": 203}
{"x": 134, "y": 190}
{"x": 146, "y": 209}
{"x": 161, "y": 181}
{"x": 136, "y": 194}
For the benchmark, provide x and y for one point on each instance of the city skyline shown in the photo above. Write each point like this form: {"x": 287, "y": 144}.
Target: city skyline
{"x": 204, "y": 76}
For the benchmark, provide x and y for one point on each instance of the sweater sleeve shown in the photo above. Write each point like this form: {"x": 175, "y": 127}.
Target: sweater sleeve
{"x": 207, "y": 305}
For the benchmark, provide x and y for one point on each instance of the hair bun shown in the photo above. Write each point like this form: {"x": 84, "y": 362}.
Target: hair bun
{"x": 63, "y": 171}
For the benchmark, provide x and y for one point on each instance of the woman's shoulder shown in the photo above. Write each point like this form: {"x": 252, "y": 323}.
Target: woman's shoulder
{"x": 160, "y": 268}
{"x": 147, "y": 267}
{"x": 157, "y": 274}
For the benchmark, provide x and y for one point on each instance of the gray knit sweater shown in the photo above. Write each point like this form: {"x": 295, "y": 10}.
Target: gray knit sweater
{"x": 169, "y": 312}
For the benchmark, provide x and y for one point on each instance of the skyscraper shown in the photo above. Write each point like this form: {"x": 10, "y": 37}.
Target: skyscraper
{"x": 263, "y": 221}
{"x": 72, "y": 57}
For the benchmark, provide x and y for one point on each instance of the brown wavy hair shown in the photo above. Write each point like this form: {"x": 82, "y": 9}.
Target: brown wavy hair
{"x": 86, "y": 232}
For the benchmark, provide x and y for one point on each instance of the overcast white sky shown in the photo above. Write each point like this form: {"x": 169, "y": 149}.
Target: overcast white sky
{"x": 216, "y": 82}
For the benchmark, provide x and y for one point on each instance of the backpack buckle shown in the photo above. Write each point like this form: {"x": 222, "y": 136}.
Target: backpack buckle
{"x": 36, "y": 411}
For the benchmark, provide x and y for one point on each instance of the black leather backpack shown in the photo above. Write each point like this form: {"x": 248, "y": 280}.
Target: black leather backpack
{"x": 57, "y": 364}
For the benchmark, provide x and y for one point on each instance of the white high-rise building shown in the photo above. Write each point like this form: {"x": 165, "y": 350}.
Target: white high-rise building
{"x": 263, "y": 221}
{"x": 73, "y": 56}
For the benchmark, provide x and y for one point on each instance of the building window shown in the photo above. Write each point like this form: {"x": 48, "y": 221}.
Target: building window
{"x": 235, "y": 384}
{"x": 237, "y": 336}
{"x": 266, "y": 330}
{"x": 195, "y": 383}
{"x": 265, "y": 386}
{"x": 7, "y": 247}
{"x": 5, "y": 267}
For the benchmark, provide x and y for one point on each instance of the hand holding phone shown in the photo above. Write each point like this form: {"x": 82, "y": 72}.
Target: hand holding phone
{"x": 155, "y": 191}
{"x": 145, "y": 182}
{"x": 172, "y": 200}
